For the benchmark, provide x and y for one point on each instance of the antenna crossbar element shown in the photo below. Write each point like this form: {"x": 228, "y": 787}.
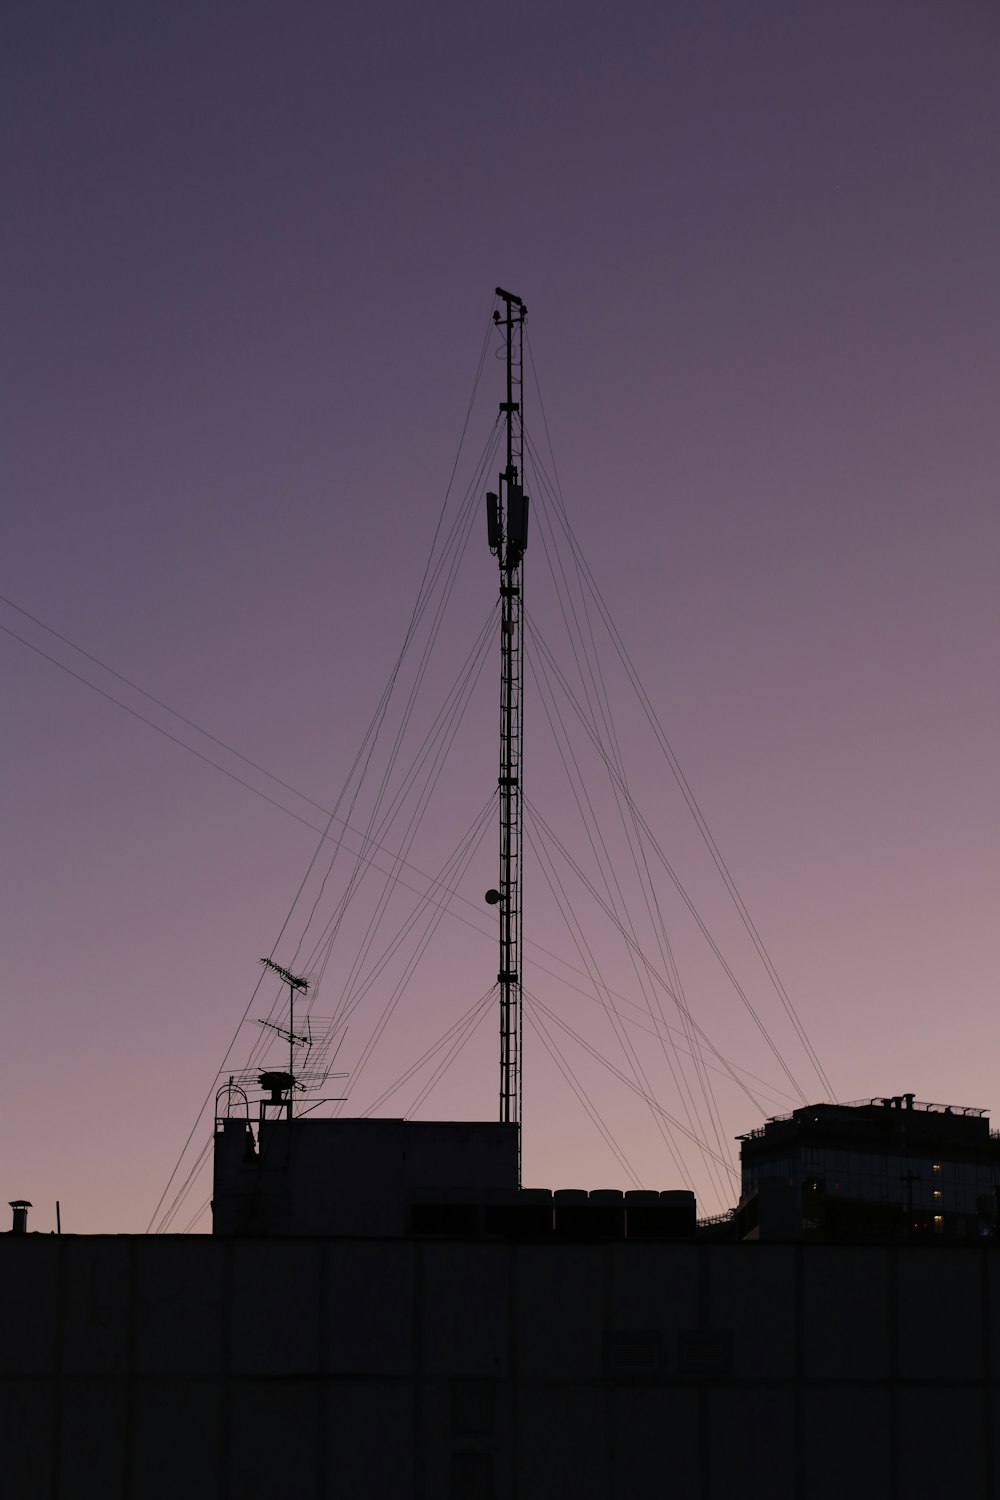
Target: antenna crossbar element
{"x": 507, "y": 528}
{"x": 283, "y": 1031}
{"x": 292, "y": 980}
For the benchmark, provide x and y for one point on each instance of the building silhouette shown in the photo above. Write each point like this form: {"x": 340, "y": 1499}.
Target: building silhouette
{"x": 882, "y": 1168}
{"x": 382, "y": 1312}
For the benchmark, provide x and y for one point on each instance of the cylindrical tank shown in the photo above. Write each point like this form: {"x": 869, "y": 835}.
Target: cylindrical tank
{"x": 679, "y": 1213}
{"x": 607, "y": 1213}
{"x": 642, "y": 1214}
{"x": 571, "y": 1213}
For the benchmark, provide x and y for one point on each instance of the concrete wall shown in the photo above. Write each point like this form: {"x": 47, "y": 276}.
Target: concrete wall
{"x": 155, "y": 1368}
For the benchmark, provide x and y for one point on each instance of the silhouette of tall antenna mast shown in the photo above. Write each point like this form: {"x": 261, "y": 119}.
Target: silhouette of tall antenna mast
{"x": 507, "y": 526}
{"x": 295, "y": 984}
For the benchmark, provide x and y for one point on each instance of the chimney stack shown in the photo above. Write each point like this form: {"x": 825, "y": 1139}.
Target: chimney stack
{"x": 20, "y": 1207}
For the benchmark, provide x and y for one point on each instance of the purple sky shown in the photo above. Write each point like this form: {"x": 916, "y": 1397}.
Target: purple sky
{"x": 249, "y": 253}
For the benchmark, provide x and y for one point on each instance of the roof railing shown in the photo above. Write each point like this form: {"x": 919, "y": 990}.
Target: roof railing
{"x": 902, "y": 1102}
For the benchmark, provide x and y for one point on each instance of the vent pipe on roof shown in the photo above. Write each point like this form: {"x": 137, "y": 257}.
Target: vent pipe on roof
{"x": 20, "y": 1207}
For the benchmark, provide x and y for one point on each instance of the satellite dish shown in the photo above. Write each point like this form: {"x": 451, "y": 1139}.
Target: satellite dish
{"x": 492, "y": 897}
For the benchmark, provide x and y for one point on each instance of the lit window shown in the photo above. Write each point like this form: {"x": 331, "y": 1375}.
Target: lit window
{"x": 936, "y": 1168}
{"x": 936, "y": 1193}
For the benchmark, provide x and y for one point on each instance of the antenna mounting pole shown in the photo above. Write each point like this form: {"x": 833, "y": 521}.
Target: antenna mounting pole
{"x": 507, "y": 525}
{"x": 294, "y": 982}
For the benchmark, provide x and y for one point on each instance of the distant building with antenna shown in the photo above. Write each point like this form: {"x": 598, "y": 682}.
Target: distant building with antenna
{"x": 888, "y": 1167}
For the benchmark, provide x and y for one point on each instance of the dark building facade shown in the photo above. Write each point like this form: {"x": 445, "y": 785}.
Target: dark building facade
{"x": 382, "y": 1312}
{"x": 233, "y": 1368}
{"x": 881, "y": 1169}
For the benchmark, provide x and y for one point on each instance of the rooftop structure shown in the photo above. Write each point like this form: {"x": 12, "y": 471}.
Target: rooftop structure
{"x": 390, "y": 1178}
{"x": 879, "y": 1168}
{"x": 353, "y": 1176}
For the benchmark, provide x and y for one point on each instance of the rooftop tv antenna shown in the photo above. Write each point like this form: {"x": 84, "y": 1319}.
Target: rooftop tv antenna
{"x": 295, "y": 985}
{"x": 507, "y": 527}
